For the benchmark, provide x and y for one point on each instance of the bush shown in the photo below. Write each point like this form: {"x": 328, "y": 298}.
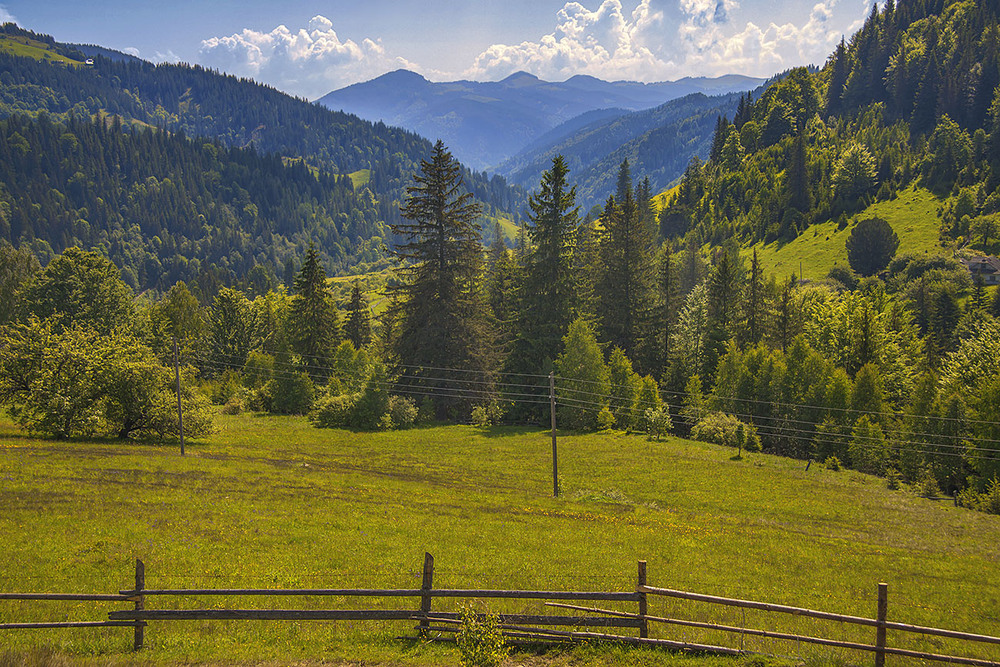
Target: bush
{"x": 658, "y": 422}
{"x": 832, "y": 463}
{"x": 403, "y": 411}
{"x": 372, "y": 404}
{"x": 333, "y": 411}
{"x": 893, "y": 480}
{"x": 605, "y": 419}
{"x": 234, "y": 406}
{"x": 480, "y": 417}
{"x": 723, "y": 429}
{"x": 226, "y": 387}
{"x": 480, "y": 640}
{"x": 292, "y": 393}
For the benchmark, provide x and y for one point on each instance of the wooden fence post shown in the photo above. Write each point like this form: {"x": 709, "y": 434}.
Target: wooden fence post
{"x": 140, "y": 584}
{"x": 425, "y": 594}
{"x": 644, "y": 628}
{"x": 883, "y": 608}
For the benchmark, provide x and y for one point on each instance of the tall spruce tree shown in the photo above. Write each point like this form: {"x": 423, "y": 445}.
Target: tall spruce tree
{"x": 444, "y": 343}
{"x": 358, "y": 328}
{"x": 625, "y": 285}
{"x": 314, "y": 323}
{"x": 548, "y": 297}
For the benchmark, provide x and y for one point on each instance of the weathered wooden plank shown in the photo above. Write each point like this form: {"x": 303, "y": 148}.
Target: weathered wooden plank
{"x": 357, "y": 615}
{"x": 401, "y": 592}
{"x": 96, "y": 597}
{"x": 318, "y": 592}
{"x": 70, "y": 624}
{"x": 763, "y": 606}
{"x": 791, "y": 637}
{"x": 264, "y": 614}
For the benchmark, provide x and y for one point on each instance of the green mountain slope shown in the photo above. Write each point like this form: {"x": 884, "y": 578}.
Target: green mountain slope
{"x": 240, "y": 113}
{"x": 166, "y": 208}
{"x": 820, "y": 149}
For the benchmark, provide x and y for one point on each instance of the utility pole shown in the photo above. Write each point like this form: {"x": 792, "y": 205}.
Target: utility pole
{"x": 555, "y": 455}
{"x": 177, "y": 377}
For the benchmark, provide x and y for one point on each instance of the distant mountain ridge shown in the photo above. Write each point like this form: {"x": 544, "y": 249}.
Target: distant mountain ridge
{"x": 484, "y": 123}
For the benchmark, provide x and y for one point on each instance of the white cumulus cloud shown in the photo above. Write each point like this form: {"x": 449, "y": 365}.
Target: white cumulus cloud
{"x": 310, "y": 61}
{"x": 605, "y": 42}
{"x": 654, "y": 42}
{"x": 760, "y": 50}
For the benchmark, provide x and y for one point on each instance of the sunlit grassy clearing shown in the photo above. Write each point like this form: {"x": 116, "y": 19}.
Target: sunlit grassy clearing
{"x": 912, "y": 215}
{"x": 272, "y": 502}
{"x": 24, "y": 47}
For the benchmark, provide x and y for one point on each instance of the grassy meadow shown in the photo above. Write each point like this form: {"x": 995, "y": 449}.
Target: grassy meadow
{"x": 912, "y": 215}
{"x": 270, "y": 502}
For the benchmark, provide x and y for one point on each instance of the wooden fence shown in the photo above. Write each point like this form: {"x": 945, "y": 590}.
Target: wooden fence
{"x": 518, "y": 628}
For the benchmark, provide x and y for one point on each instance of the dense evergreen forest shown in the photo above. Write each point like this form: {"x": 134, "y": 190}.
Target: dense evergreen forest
{"x": 646, "y": 320}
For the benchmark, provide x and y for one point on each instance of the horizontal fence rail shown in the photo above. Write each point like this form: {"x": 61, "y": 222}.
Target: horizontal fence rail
{"x": 579, "y": 621}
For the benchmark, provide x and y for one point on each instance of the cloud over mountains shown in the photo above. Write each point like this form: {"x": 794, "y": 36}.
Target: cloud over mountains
{"x": 658, "y": 40}
{"x": 309, "y": 61}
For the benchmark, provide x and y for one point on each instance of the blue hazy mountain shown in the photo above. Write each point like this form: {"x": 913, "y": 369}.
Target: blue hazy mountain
{"x": 484, "y": 123}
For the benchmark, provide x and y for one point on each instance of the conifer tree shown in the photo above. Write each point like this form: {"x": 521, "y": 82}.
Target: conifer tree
{"x": 548, "y": 302}
{"x": 443, "y": 317}
{"x": 314, "y": 323}
{"x": 797, "y": 179}
{"x": 838, "y": 79}
{"x": 358, "y": 328}
{"x": 625, "y": 285}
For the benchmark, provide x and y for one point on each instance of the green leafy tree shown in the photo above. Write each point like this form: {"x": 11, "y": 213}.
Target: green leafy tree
{"x": 625, "y": 385}
{"x": 548, "y": 296}
{"x": 81, "y": 287}
{"x": 232, "y": 328}
{"x": 583, "y": 384}
{"x": 444, "y": 321}
{"x": 625, "y": 284}
{"x": 854, "y": 175}
{"x": 871, "y": 245}
{"x": 868, "y": 449}
{"x": 17, "y": 267}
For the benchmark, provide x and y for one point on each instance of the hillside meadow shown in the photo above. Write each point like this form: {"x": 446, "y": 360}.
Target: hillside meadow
{"x": 271, "y": 502}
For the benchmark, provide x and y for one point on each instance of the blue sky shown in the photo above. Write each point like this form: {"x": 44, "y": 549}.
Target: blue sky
{"x": 309, "y": 47}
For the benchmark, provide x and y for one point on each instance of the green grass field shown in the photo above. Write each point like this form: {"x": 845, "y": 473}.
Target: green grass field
{"x": 912, "y": 215}
{"x": 29, "y": 48}
{"x": 271, "y": 502}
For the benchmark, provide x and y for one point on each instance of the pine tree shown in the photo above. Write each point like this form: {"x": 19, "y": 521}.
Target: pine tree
{"x": 755, "y": 311}
{"x": 839, "y": 71}
{"x": 358, "y": 329}
{"x": 314, "y": 323}
{"x": 624, "y": 288}
{"x": 548, "y": 302}
{"x": 797, "y": 176}
{"x": 443, "y": 318}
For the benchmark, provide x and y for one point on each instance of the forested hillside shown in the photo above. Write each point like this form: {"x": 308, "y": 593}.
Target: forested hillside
{"x": 658, "y": 143}
{"x": 196, "y": 102}
{"x": 165, "y": 208}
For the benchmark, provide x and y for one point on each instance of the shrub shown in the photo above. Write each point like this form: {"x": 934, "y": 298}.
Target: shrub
{"x": 893, "y": 480}
{"x": 832, "y": 463}
{"x": 234, "y": 406}
{"x": 226, "y": 387}
{"x": 480, "y": 640}
{"x": 605, "y": 419}
{"x": 333, "y": 411}
{"x": 403, "y": 411}
{"x": 292, "y": 393}
{"x": 373, "y": 402}
{"x": 479, "y": 416}
{"x": 657, "y": 422}
{"x": 723, "y": 429}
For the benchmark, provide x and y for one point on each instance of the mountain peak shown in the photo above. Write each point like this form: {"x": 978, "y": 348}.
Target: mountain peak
{"x": 521, "y": 77}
